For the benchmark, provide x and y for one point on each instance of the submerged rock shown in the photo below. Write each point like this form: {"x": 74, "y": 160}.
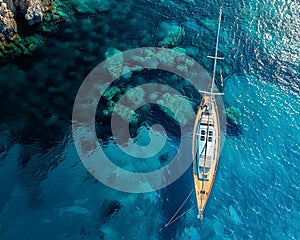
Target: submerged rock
{"x": 101, "y": 235}
{"x": 164, "y": 158}
{"x": 234, "y": 215}
{"x": 234, "y": 121}
{"x": 86, "y": 6}
{"x": 171, "y": 33}
{"x": 113, "y": 208}
{"x": 110, "y": 209}
{"x": 73, "y": 211}
{"x": 234, "y": 114}
{"x": 176, "y": 108}
{"x": 19, "y": 46}
{"x": 114, "y": 65}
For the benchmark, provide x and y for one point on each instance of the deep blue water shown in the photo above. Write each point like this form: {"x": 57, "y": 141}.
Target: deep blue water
{"x": 46, "y": 193}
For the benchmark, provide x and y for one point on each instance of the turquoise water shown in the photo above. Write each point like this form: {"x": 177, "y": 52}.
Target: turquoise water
{"x": 46, "y": 193}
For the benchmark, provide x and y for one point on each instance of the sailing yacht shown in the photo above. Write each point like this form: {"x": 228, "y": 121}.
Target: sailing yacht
{"x": 206, "y": 143}
{"x": 206, "y": 139}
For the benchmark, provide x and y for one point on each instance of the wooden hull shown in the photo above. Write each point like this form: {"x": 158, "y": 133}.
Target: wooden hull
{"x": 205, "y": 151}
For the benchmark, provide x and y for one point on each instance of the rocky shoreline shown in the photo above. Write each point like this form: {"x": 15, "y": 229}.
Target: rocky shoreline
{"x": 32, "y": 11}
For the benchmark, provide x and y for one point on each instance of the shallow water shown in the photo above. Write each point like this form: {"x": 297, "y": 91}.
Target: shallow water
{"x": 47, "y": 193}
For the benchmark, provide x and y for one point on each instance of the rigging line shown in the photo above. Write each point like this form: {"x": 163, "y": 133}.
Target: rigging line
{"x": 168, "y": 223}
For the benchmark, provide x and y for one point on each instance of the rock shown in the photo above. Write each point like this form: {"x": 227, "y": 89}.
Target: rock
{"x": 8, "y": 25}
{"x": 26, "y": 6}
{"x": 34, "y": 14}
{"x": 10, "y": 5}
{"x": 33, "y": 10}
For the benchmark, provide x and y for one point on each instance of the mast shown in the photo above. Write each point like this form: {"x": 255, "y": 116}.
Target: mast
{"x": 216, "y": 53}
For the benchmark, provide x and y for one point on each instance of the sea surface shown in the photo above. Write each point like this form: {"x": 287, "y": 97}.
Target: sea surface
{"x": 47, "y": 193}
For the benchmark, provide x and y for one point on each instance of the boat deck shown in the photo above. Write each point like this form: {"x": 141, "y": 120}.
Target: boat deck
{"x": 207, "y": 160}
